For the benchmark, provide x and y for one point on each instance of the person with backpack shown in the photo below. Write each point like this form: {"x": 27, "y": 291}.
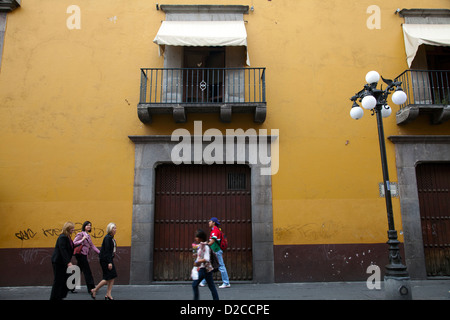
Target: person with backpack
{"x": 216, "y": 238}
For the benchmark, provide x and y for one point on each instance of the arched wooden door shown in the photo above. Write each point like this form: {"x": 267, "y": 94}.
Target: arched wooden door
{"x": 186, "y": 197}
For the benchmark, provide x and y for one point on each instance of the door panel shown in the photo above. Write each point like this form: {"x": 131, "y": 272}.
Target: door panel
{"x": 433, "y": 184}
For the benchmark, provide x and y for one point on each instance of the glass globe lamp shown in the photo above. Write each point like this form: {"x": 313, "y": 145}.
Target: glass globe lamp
{"x": 356, "y": 112}
{"x": 372, "y": 77}
{"x": 369, "y": 102}
{"x": 399, "y": 97}
{"x": 386, "y": 111}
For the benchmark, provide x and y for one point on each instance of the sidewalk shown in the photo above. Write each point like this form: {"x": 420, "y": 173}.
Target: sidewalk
{"x": 421, "y": 290}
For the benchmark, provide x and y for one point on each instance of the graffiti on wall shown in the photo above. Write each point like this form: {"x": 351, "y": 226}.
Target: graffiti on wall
{"x": 29, "y": 234}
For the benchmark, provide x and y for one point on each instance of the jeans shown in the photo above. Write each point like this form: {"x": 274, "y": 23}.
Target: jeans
{"x": 208, "y": 276}
{"x": 222, "y": 269}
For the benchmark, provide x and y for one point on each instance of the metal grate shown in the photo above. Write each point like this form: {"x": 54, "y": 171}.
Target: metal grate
{"x": 236, "y": 181}
{"x": 425, "y": 87}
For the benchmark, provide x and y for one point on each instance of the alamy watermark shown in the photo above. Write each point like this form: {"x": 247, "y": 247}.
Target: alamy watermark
{"x": 374, "y": 280}
{"x": 74, "y": 20}
{"x": 74, "y": 280}
{"x": 261, "y": 149}
{"x": 374, "y": 20}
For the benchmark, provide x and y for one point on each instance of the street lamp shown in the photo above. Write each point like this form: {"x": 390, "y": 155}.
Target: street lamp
{"x": 396, "y": 278}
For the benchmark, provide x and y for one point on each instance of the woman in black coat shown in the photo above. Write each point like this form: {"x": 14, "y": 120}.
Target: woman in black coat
{"x": 61, "y": 260}
{"x": 107, "y": 253}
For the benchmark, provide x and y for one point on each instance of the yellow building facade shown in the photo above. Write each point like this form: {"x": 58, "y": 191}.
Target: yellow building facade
{"x": 74, "y": 148}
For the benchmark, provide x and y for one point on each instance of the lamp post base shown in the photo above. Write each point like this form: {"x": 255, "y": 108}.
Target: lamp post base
{"x": 396, "y": 280}
{"x": 397, "y": 288}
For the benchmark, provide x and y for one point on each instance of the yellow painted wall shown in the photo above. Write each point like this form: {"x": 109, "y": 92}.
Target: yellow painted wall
{"x": 68, "y": 102}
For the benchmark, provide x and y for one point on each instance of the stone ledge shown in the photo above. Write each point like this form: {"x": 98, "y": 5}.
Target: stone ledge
{"x": 438, "y": 113}
{"x": 167, "y": 8}
{"x": 179, "y": 111}
{"x": 420, "y": 139}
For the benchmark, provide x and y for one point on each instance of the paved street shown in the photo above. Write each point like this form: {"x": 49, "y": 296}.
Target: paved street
{"x": 421, "y": 290}
{"x": 254, "y": 301}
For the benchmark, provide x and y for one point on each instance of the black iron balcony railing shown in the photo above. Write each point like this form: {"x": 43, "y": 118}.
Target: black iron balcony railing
{"x": 426, "y": 87}
{"x": 428, "y": 91}
{"x": 202, "y": 86}
{"x": 202, "y": 90}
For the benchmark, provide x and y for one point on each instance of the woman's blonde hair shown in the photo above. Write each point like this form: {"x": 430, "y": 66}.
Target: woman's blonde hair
{"x": 67, "y": 226}
{"x": 110, "y": 226}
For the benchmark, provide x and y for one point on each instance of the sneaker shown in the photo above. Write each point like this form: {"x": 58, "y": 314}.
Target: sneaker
{"x": 224, "y": 286}
{"x": 202, "y": 284}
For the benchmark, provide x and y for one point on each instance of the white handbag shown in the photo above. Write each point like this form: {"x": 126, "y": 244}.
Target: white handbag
{"x": 194, "y": 273}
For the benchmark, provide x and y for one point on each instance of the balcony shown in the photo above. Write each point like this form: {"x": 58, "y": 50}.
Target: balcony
{"x": 428, "y": 93}
{"x": 225, "y": 91}
{"x": 9, "y": 5}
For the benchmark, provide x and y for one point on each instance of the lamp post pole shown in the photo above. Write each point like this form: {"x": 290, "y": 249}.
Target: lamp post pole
{"x": 396, "y": 281}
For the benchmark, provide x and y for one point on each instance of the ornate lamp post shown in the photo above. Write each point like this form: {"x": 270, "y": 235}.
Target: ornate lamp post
{"x": 396, "y": 278}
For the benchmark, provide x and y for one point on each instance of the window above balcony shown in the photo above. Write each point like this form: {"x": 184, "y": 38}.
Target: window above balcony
{"x": 206, "y": 66}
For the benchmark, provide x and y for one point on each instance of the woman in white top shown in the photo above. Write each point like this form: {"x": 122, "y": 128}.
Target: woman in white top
{"x": 203, "y": 262}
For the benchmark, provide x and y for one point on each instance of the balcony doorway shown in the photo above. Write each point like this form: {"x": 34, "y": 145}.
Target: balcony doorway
{"x": 204, "y": 74}
{"x": 433, "y": 74}
{"x": 438, "y": 58}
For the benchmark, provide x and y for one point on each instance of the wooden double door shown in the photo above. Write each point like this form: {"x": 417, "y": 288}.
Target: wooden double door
{"x": 433, "y": 184}
{"x": 186, "y": 197}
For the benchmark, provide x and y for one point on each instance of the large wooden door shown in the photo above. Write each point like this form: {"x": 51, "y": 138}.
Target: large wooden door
{"x": 186, "y": 197}
{"x": 433, "y": 184}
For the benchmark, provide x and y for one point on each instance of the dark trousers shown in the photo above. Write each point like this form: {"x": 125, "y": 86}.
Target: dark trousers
{"x": 59, "y": 287}
{"x": 83, "y": 264}
{"x": 208, "y": 276}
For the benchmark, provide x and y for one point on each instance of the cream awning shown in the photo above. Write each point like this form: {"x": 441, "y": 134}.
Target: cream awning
{"x": 202, "y": 34}
{"x": 431, "y": 34}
